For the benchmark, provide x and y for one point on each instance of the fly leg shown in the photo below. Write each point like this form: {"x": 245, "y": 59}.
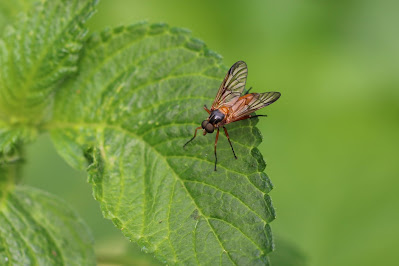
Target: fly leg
{"x": 247, "y": 116}
{"x": 206, "y": 109}
{"x": 228, "y": 138}
{"x": 253, "y": 116}
{"x": 245, "y": 93}
{"x": 195, "y": 134}
{"x": 216, "y": 141}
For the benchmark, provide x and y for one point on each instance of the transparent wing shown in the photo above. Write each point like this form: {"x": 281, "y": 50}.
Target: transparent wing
{"x": 232, "y": 86}
{"x": 251, "y": 102}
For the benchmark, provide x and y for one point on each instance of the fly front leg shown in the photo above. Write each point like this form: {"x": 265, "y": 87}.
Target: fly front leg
{"x": 207, "y": 110}
{"x": 216, "y": 142}
{"x": 195, "y": 134}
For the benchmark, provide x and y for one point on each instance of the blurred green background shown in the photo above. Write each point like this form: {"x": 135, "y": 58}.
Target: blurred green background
{"x": 331, "y": 142}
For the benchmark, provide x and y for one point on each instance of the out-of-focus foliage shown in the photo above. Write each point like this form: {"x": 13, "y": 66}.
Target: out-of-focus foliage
{"x": 38, "y": 228}
{"x": 10, "y": 10}
{"x": 330, "y": 141}
{"x": 38, "y": 49}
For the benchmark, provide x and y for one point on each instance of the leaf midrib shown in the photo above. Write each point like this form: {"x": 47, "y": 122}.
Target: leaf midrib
{"x": 174, "y": 174}
{"x": 184, "y": 187}
{"x": 100, "y": 126}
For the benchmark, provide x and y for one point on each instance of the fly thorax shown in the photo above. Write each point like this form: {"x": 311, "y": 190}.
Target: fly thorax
{"x": 216, "y": 117}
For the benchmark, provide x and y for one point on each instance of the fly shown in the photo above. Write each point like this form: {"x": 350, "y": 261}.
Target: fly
{"x": 231, "y": 104}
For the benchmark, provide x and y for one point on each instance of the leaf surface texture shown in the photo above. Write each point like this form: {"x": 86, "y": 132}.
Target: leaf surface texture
{"x": 136, "y": 101}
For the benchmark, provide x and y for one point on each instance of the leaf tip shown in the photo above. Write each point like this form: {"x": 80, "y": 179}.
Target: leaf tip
{"x": 195, "y": 44}
{"x": 158, "y": 28}
{"x": 106, "y": 34}
{"x": 257, "y": 134}
{"x": 259, "y": 158}
{"x": 119, "y": 29}
{"x": 211, "y": 53}
{"x": 177, "y": 30}
{"x": 136, "y": 26}
{"x": 118, "y": 223}
{"x": 271, "y": 214}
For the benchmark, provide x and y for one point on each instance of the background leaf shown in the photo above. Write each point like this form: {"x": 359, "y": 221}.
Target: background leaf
{"x": 36, "y": 53}
{"x": 135, "y": 103}
{"x": 10, "y": 142}
{"x": 9, "y": 10}
{"x": 39, "y": 229}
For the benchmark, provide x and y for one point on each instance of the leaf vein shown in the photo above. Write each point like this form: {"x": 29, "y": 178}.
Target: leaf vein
{"x": 229, "y": 193}
{"x": 38, "y": 224}
{"x": 144, "y": 192}
{"x": 239, "y": 230}
{"x": 4, "y": 244}
{"x": 50, "y": 43}
{"x": 122, "y": 179}
{"x": 178, "y": 179}
{"x": 170, "y": 207}
{"x": 30, "y": 250}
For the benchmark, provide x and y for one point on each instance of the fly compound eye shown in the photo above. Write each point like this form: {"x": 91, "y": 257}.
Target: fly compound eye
{"x": 204, "y": 123}
{"x": 209, "y": 128}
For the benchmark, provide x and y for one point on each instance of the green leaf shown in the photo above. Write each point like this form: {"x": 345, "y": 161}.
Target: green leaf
{"x": 37, "y": 52}
{"x": 9, "y": 10}
{"x": 39, "y": 229}
{"x": 136, "y": 101}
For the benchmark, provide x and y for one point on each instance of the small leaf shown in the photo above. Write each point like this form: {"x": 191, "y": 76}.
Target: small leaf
{"x": 39, "y": 229}
{"x": 37, "y": 52}
{"x": 136, "y": 101}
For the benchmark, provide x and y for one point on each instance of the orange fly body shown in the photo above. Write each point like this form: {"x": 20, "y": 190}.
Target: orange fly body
{"x": 230, "y": 105}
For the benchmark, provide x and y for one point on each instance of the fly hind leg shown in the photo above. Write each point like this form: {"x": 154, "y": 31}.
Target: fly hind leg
{"x": 216, "y": 142}
{"x": 228, "y": 138}
{"x": 253, "y": 116}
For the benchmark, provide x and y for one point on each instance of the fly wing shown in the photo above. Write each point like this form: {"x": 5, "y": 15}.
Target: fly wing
{"x": 253, "y": 102}
{"x": 232, "y": 86}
